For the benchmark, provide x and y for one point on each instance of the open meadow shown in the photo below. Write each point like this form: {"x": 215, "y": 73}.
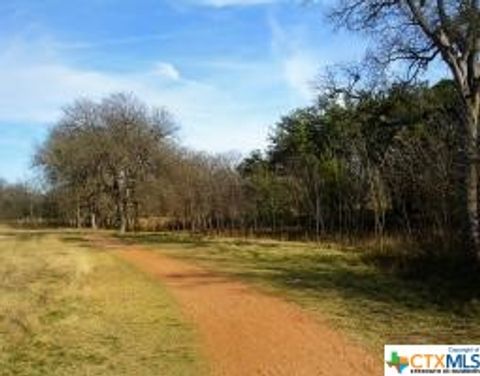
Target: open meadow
{"x": 99, "y": 303}
{"x": 376, "y": 297}
{"x": 69, "y": 309}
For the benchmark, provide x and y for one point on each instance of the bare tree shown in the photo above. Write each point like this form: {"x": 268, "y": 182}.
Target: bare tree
{"x": 133, "y": 134}
{"x": 100, "y": 152}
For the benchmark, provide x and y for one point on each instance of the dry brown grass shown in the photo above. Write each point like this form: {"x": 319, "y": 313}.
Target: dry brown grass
{"x": 378, "y": 296}
{"x": 68, "y": 309}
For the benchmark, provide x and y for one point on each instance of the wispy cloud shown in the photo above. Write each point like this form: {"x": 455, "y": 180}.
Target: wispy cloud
{"x": 299, "y": 71}
{"x": 111, "y": 42}
{"x": 299, "y": 63}
{"x": 37, "y": 83}
{"x": 167, "y": 70}
{"x": 208, "y": 61}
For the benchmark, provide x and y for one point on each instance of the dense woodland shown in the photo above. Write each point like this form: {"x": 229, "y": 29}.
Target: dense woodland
{"x": 383, "y": 163}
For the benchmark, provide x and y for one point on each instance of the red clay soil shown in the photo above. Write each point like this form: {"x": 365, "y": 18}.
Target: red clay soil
{"x": 245, "y": 332}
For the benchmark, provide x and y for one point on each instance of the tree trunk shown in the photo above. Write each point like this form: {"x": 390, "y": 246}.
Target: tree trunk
{"x": 318, "y": 217}
{"x": 93, "y": 220}
{"x": 78, "y": 219}
{"x": 471, "y": 177}
{"x": 123, "y": 221}
{"x": 123, "y": 217}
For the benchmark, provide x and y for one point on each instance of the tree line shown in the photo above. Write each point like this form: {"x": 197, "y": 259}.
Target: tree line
{"x": 369, "y": 157}
{"x": 386, "y": 162}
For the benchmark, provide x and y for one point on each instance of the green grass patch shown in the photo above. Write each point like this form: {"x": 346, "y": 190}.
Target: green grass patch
{"x": 363, "y": 292}
{"x": 67, "y": 309}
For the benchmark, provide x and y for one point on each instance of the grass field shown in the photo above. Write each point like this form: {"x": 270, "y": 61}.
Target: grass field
{"x": 68, "y": 309}
{"x": 359, "y": 291}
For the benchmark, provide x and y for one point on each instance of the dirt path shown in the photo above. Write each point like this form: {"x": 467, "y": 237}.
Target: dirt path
{"x": 245, "y": 332}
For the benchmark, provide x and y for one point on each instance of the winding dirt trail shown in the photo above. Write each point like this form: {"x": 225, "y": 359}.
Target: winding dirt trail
{"x": 245, "y": 332}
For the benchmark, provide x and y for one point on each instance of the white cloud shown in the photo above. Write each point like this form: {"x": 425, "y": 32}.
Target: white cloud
{"x": 299, "y": 71}
{"x": 167, "y": 70}
{"x": 299, "y": 63}
{"x": 102, "y": 43}
{"x": 37, "y": 83}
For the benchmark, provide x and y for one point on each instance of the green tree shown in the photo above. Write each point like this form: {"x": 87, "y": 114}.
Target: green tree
{"x": 420, "y": 32}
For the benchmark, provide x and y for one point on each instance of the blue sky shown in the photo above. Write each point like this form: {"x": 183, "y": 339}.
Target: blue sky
{"x": 226, "y": 69}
